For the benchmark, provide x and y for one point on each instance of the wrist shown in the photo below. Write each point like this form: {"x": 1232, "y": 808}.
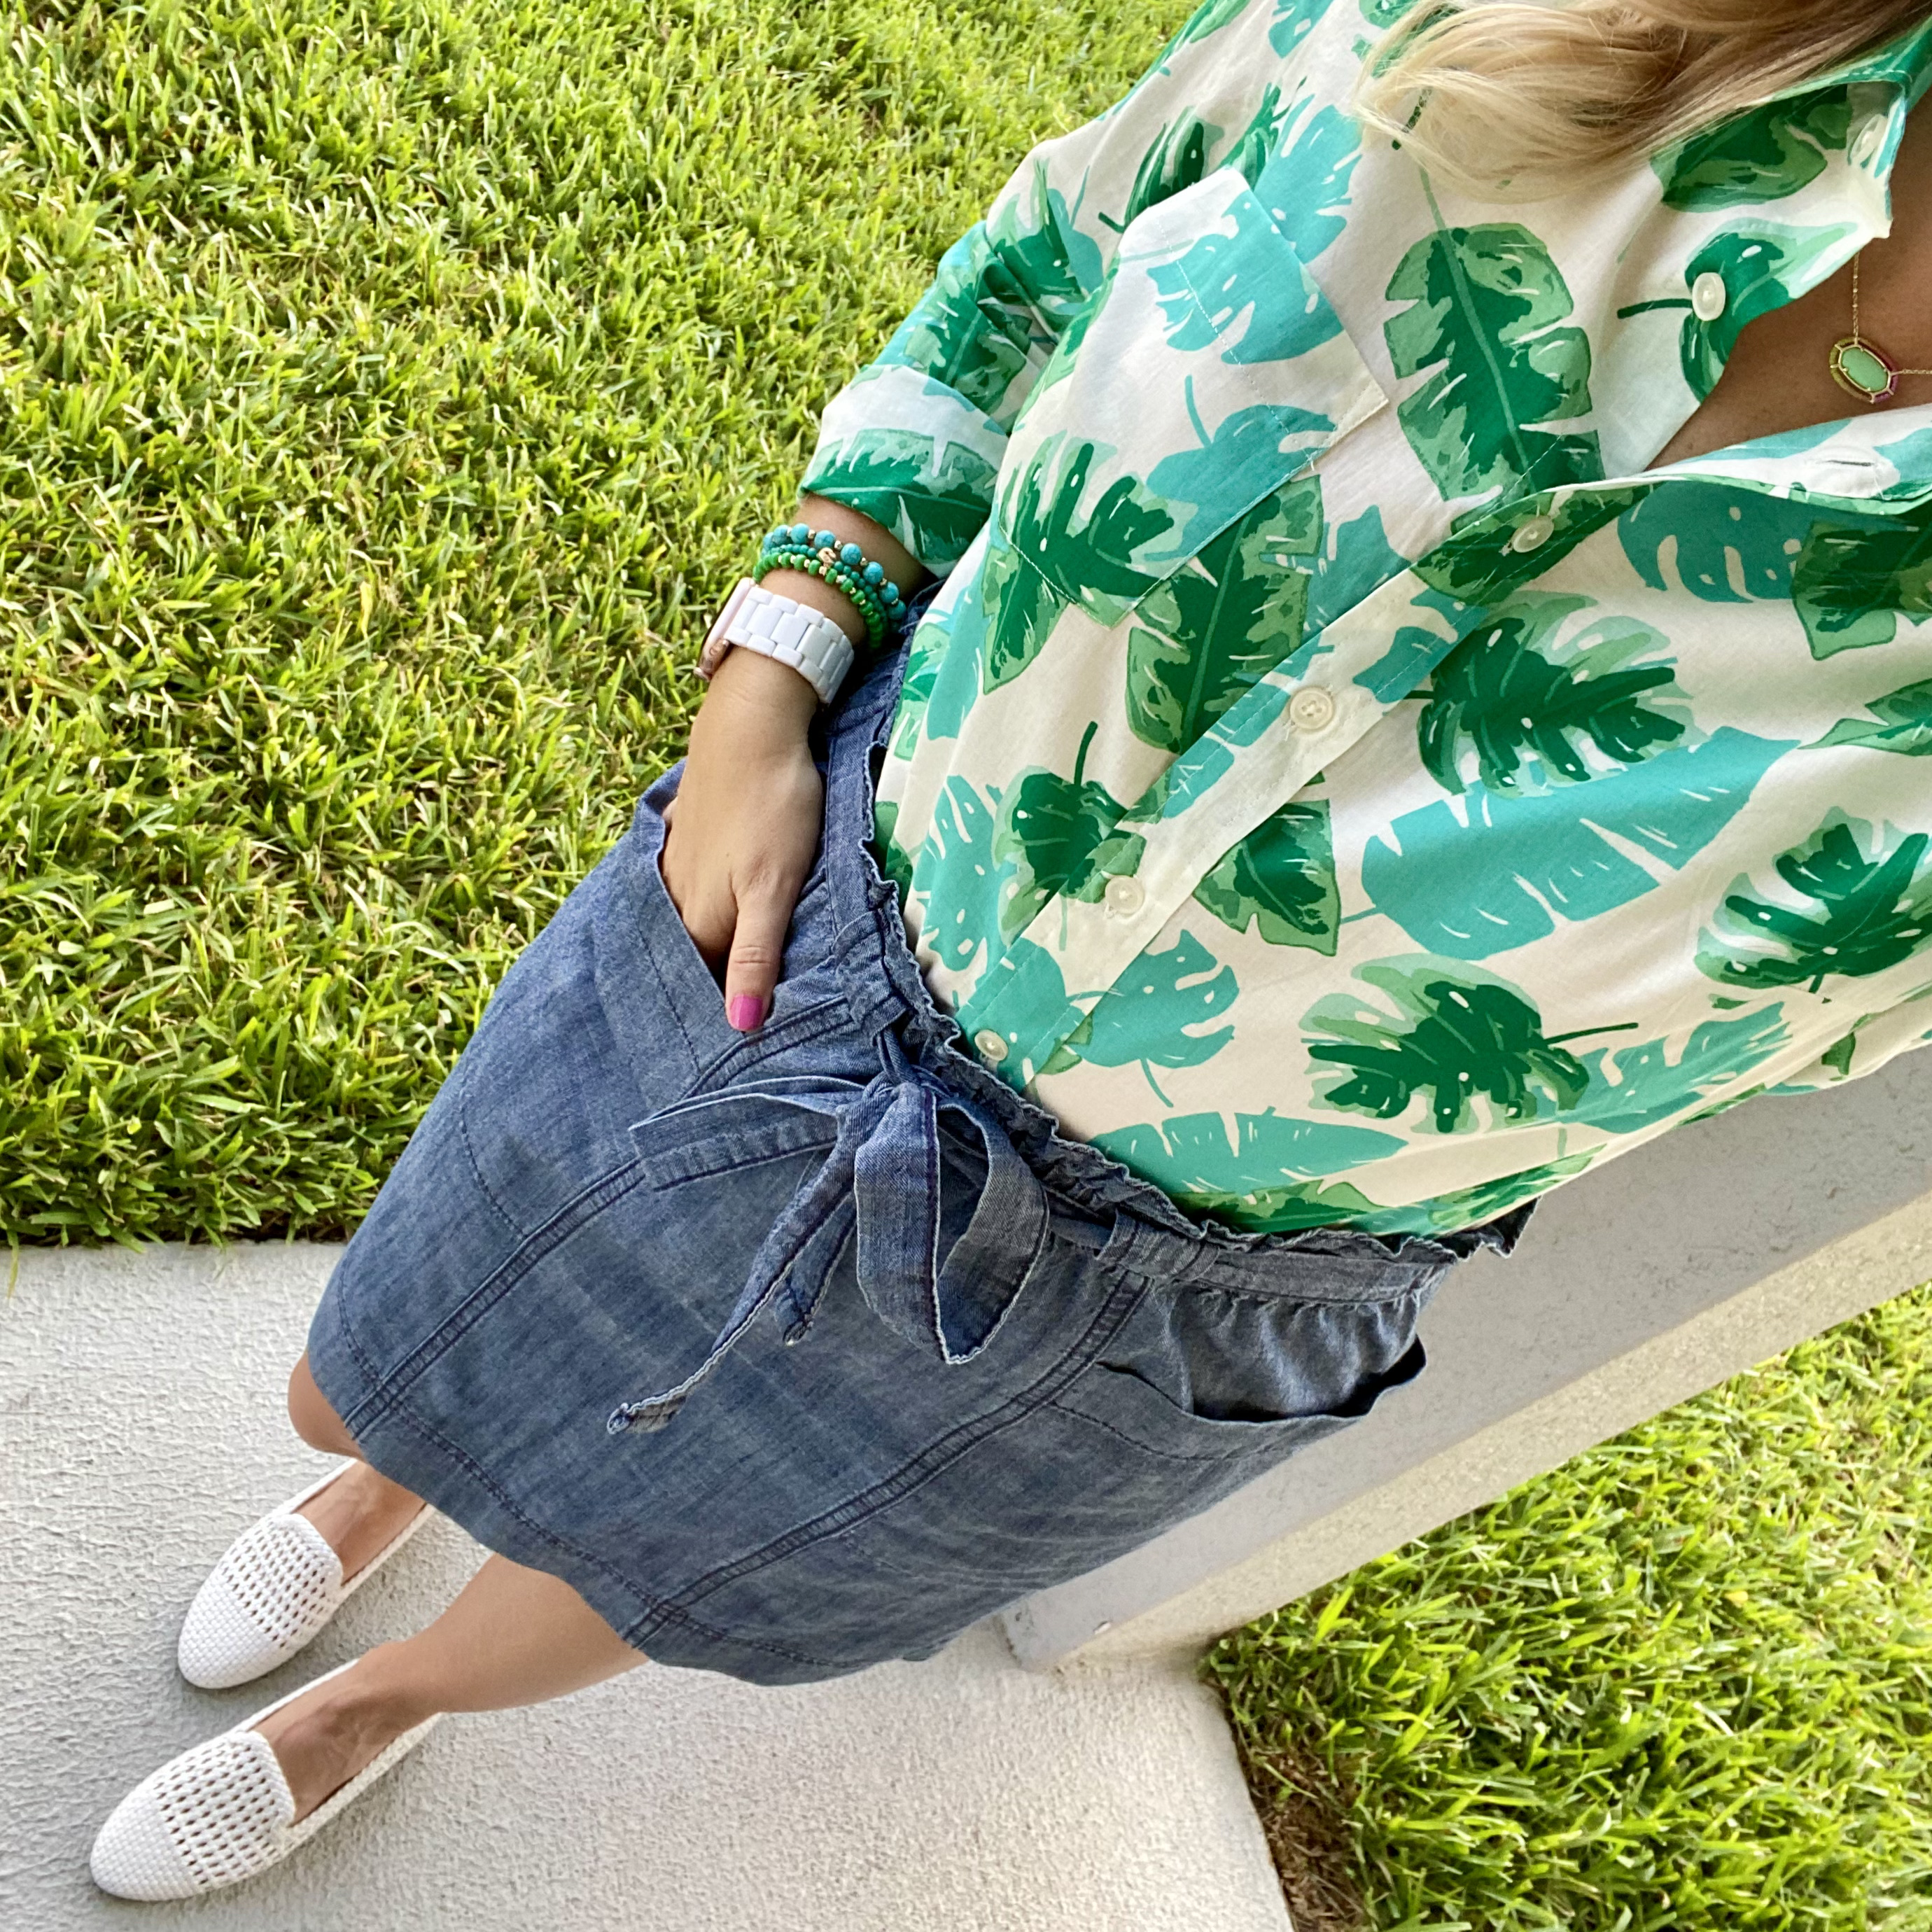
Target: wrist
{"x": 756, "y": 699}
{"x": 817, "y": 596}
{"x": 770, "y": 624}
{"x": 842, "y": 566}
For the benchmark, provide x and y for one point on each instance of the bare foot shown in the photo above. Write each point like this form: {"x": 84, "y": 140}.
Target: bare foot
{"x": 330, "y": 1732}
{"x": 360, "y": 1514}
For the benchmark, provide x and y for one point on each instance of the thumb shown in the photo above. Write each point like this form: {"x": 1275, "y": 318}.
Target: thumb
{"x": 757, "y": 953}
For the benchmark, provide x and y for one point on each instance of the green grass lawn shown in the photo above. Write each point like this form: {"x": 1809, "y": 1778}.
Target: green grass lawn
{"x": 1682, "y": 1684}
{"x": 388, "y": 388}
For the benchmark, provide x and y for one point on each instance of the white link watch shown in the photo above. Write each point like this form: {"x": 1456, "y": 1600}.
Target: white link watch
{"x": 761, "y": 620}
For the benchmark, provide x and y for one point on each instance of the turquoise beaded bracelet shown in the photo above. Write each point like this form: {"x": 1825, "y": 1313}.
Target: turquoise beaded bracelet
{"x": 820, "y": 554}
{"x": 843, "y": 565}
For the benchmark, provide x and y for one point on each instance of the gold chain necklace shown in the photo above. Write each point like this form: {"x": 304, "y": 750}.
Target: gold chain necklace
{"x": 1861, "y": 368}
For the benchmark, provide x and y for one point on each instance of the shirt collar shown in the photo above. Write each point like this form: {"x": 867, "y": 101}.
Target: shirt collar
{"x": 1904, "y": 62}
{"x": 1880, "y": 88}
{"x": 1816, "y": 225}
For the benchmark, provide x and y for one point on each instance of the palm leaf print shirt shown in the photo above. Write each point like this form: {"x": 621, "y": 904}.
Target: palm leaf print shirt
{"x": 1338, "y": 776}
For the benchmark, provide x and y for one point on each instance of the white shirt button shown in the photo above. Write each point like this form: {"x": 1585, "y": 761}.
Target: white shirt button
{"x": 1533, "y": 534}
{"x": 1311, "y": 708}
{"x": 1708, "y": 296}
{"x": 992, "y": 1047}
{"x": 1869, "y": 139}
{"x": 1125, "y": 895}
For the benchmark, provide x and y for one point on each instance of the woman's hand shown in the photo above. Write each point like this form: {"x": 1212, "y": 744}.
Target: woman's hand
{"x": 741, "y": 833}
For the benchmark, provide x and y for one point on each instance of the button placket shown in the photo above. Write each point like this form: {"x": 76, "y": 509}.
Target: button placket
{"x": 1090, "y": 944}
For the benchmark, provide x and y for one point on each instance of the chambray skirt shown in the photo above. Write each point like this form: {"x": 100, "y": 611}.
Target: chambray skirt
{"x": 795, "y": 1351}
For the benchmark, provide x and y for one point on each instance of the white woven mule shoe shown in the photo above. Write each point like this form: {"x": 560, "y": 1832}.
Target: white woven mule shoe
{"x": 219, "y": 1812}
{"x": 273, "y": 1591}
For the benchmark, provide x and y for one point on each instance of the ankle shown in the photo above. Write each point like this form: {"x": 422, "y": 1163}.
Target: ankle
{"x": 386, "y": 1692}
{"x": 328, "y": 1735}
{"x": 360, "y": 1514}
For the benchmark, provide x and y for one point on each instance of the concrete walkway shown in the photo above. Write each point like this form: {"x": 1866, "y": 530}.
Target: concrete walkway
{"x": 140, "y": 1428}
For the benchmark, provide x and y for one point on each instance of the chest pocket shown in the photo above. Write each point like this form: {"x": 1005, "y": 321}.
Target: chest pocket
{"x": 1210, "y": 370}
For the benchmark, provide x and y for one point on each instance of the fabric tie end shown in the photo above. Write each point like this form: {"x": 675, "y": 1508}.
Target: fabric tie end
{"x": 648, "y": 1416}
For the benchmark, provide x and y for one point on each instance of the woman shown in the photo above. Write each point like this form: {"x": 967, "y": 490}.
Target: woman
{"x": 1426, "y": 690}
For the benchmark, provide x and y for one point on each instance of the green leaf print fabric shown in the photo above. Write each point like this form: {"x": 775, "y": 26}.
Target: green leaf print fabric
{"x": 1492, "y": 871}
{"x": 1305, "y": 188}
{"x": 1017, "y": 609}
{"x": 1280, "y": 880}
{"x": 1085, "y": 549}
{"x": 958, "y": 867}
{"x": 1725, "y": 546}
{"x": 1038, "y": 259}
{"x": 932, "y": 497}
{"x": 957, "y": 335}
{"x": 1341, "y": 775}
{"x": 1266, "y": 1151}
{"x": 1455, "y": 1039}
{"x": 1159, "y": 1015}
{"x": 1218, "y": 625}
{"x": 1633, "y": 1088}
{"x": 1177, "y": 159}
{"x": 1060, "y": 834}
{"x": 1488, "y": 323}
{"x": 1523, "y": 707}
{"x": 1270, "y": 1171}
{"x": 1230, "y": 288}
{"x": 1294, "y": 19}
{"x": 1852, "y": 585}
{"x": 1868, "y": 906}
{"x": 1901, "y": 721}
{"x": 1760, "y": 267}
{"x": 1766, "y": 155}
{"x": 1386, "y": 13}
{"x": 1203, "y": 486}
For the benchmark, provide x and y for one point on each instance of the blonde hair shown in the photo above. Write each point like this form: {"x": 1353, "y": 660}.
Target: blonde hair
{"x": 1516, "y": 100}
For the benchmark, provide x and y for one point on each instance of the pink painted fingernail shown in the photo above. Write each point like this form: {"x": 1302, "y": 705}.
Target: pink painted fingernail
{"x": 746, "y": 1013}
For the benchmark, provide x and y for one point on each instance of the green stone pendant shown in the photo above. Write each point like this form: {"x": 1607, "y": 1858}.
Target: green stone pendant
{"x": 1858, "y": 369}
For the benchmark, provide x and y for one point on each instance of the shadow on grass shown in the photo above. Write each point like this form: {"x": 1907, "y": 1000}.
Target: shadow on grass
{"x": 1303, "y": 1818}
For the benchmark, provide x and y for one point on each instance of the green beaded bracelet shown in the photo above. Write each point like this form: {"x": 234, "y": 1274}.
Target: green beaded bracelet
{"x": 853, "y": 588}
{"x": 814, "y": 563}
{"x": 802, "y": 536}
{"x": 843, "y": 566}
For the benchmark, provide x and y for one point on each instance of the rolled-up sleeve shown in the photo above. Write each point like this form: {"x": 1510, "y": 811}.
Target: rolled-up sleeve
{"x": 915, "y": 441}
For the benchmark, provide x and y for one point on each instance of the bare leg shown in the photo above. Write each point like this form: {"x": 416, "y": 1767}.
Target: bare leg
{"x": 513, "y": 1636}
{"x": 360, "y": 1512}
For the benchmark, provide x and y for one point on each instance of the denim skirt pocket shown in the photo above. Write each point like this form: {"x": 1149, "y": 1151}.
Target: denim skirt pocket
{"x": 1207, "y": 1373}
{"x": 695, "y": 993}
